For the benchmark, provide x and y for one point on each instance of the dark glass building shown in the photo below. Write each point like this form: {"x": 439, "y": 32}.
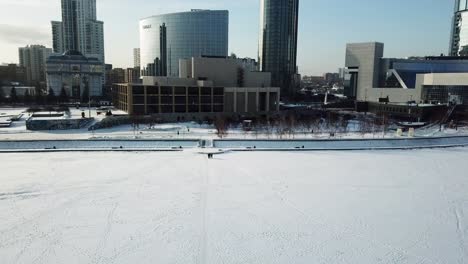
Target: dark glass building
{"x": 278, "y": 42}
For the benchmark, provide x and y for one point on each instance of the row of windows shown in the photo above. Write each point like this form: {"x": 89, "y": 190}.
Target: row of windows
{"x": 167, "y": 90}
{"x": 190, "y": 100}
{"x": 164, "y": 109}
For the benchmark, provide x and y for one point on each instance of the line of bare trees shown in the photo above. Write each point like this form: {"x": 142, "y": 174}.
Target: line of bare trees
{"x": 290, "y": 126}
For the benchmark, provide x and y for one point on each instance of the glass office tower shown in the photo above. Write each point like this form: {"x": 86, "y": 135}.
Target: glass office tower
{"x": 164, "y": 39}
{"x": 459, "y": 36}
{"x": 278, "y": 42}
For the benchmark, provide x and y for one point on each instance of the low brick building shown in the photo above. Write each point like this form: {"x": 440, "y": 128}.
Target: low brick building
{"x": 194, "y": 95}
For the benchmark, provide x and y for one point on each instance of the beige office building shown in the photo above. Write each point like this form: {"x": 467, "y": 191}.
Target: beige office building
{"x": 205, "y": 86}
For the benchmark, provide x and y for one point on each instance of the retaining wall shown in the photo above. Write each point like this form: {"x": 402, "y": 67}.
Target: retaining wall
{"x": 96, "y": 144}
{"x": 343, "y": 144}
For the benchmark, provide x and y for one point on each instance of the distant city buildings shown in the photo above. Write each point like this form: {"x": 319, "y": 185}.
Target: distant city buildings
{"x": 313, "y": 80}
{"x": 116, "y": 75}
{"x": 132, "y": 75}
{"x": 33, "y": 58}
{"x": 164, "y": 39}
{"x": 248, "y": 64}
{"x": 13, "y": 77}
{"x": 459, "y": 35}
{"x": 373, "y": 78}
{"x": 278, "y": 42}
{"x": 79, "y": 30}
{"x": 12, "y": 73}
{"x": 136, "y": 58}
{"x": 331, "y": 78}
{"x": 77, "y": 74}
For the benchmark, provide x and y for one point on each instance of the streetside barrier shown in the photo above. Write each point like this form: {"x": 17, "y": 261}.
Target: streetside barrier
{"x": 342, "y": 144}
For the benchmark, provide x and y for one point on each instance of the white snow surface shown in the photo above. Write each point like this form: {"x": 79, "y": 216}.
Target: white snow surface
{"x": 192, "y": 130}
{"x": 255, "y": 207}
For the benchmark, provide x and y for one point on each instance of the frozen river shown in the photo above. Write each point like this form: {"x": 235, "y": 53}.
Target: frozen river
{"x": 241, "y": 207}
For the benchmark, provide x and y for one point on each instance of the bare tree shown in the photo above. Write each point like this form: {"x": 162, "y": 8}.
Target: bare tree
{"x": 221, "y": 126}
{"x": 291, "y": 124}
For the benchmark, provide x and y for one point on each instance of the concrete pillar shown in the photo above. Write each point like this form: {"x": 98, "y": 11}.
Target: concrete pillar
{"x": 212, "y": 100}
{"x": 173, "y": 99}
{"x": 268, "y": 101}
{"x": 235, "y": 100}
{"x": 145, "y": 99}
{"x": 257, "y": 99}
{"x": 159, "y": 99}
{"x": 130, "y": 98}
{"x": 277, "y": 101}
{"x": 246, "y": 107}
{"x": 199, "y": 99}
{"x": 186, "y": 100}
{"x": 246, "y": 101}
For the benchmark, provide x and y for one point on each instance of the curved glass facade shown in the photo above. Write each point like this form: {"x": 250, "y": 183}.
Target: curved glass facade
{"x": 165, "y": 39}
{"x": 278, "y": 41}
{"x": 459, "y": 37}
{"x": 461, "y": 5}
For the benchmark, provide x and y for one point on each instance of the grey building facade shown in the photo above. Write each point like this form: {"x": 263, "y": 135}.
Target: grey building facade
{"x": 164, "y": 39}
{"x": 75, "y": 73}
{"x": 362, "y": 62}
{"x": 278, "y": 42}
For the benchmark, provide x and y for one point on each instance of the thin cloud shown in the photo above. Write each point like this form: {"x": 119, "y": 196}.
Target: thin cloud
{"x": 21, "y": 35}
{"x": 29, "y": 3}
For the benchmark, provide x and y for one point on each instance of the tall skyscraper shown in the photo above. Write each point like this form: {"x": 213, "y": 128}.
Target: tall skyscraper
{"x": 459, "y": 36}
{"x": 79, "y": 30}
{"x": 33, "y": 59}
{"x": 136, "y": 57}
{"x": 165, "y": 39}
{"x": 278, "y": 42}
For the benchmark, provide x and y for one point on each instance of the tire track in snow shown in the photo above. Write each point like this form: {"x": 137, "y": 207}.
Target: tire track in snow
{"x": 460, "y": 233}
{"x": 401, "y": 252}
{"x": 206, "y": 172}
{"x": 105, "y": 238}
{"x": 456, "y": 214}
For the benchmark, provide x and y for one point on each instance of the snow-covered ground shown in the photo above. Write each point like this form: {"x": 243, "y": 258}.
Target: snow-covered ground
{"x": 192, "y": 130}
{"x": 275, "y": 207}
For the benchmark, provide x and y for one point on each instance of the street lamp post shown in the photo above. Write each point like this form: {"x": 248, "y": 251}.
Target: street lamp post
{"x": 86, "y": 83}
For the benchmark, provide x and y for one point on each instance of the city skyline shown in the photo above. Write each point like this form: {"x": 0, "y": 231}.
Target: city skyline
{"x": 324, "y": 30}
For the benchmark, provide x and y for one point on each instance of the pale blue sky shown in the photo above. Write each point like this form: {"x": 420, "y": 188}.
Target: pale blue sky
{"x": 407, "y": 27}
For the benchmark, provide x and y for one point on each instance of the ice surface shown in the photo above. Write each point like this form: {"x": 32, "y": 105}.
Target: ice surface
{"x": 255, "y": 207}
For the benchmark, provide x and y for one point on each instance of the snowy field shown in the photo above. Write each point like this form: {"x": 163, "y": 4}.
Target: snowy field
{"x": 256, "y": 207}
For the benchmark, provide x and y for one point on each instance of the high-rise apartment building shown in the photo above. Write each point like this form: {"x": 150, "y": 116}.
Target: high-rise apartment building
{"x": 136, "y": 58}
{"x": 33, "y": 58}
{"x": 79, "y": 29}
{"x": 278, "y": 42}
